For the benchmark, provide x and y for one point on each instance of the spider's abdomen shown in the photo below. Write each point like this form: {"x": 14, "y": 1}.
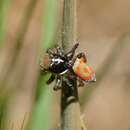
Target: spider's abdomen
{"x": 82, "y": 70}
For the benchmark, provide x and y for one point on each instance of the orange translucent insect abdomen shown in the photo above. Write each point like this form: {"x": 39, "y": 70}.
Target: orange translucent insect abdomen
{"x": 82, "y": 70}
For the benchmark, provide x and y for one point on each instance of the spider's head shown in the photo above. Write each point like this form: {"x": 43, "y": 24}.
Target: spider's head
{"x": 58, "y": 64}
{"x": 53, "y": 63}
{"x": 56, "y": 61}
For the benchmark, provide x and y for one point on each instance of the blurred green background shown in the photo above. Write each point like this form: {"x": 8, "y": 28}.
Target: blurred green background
{"x": 28, "y": 28}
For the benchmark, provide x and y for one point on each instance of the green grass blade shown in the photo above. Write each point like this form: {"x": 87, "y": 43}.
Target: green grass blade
{"x": 40, "y": 115}
{"x": 49, "y": 22}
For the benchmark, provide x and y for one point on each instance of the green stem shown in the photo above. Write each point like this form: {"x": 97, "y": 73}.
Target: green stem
{"x": 70, "y": 109}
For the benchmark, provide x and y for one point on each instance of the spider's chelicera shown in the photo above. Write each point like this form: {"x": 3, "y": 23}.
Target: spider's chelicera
{"x": 59, "y": 64}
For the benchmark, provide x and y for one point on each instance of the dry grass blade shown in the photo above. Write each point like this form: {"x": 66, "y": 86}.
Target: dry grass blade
{"x": 12, "y": 126}
{"x": 23, "y": 122}
{"x": 12, "y": 65}
{"x": 39, "y": 119}
{"x": 3, "y": 8}
{"x": 23, "y": 28}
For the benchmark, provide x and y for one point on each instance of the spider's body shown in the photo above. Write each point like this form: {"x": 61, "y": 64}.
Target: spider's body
{"x": 60, "y": 64}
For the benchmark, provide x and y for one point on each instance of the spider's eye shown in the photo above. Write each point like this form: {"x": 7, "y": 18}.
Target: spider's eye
{"x": 56, "y": 62}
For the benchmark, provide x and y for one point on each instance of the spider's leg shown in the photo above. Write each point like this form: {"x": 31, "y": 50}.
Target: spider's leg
{"x": 58, "y": 84}
{"x": 71, "y": 53}
{"x": 80, "y": 82}
{"x": 51, "y": 79}
{"x": 43, "y": 70}
{"x": 51, "y": 53}
{"x": 60, "y": 51}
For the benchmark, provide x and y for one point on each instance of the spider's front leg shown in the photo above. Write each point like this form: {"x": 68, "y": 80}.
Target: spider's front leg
{"x": 71, "y": 53}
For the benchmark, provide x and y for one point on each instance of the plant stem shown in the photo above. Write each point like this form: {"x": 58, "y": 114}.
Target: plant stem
{"x": 70, "y": 109}
{"x": 69, "y": 27}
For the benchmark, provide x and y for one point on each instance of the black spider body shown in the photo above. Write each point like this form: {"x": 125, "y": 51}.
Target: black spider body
{"x": 60, "y": 64}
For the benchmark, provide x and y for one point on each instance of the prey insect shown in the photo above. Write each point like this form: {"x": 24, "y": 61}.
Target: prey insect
{"x": 59, "y": 63}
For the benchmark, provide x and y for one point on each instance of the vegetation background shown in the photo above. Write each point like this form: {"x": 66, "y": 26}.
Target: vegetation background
{"x": 103, "y": 32}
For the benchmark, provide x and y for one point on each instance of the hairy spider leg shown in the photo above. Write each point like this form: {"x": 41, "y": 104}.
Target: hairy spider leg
{"x": 51, "y": 53}
{"x": 60, "y": 51}
{"x": 42, "y": 69}
{"x": 51, "y": 79}
{"x": 69, "y": 55}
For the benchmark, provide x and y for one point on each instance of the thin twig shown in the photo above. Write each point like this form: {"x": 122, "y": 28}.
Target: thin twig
{"x": 70, "y": 109}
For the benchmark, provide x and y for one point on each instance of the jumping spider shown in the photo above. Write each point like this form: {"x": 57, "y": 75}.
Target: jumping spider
{"x": 59, "y": 64}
